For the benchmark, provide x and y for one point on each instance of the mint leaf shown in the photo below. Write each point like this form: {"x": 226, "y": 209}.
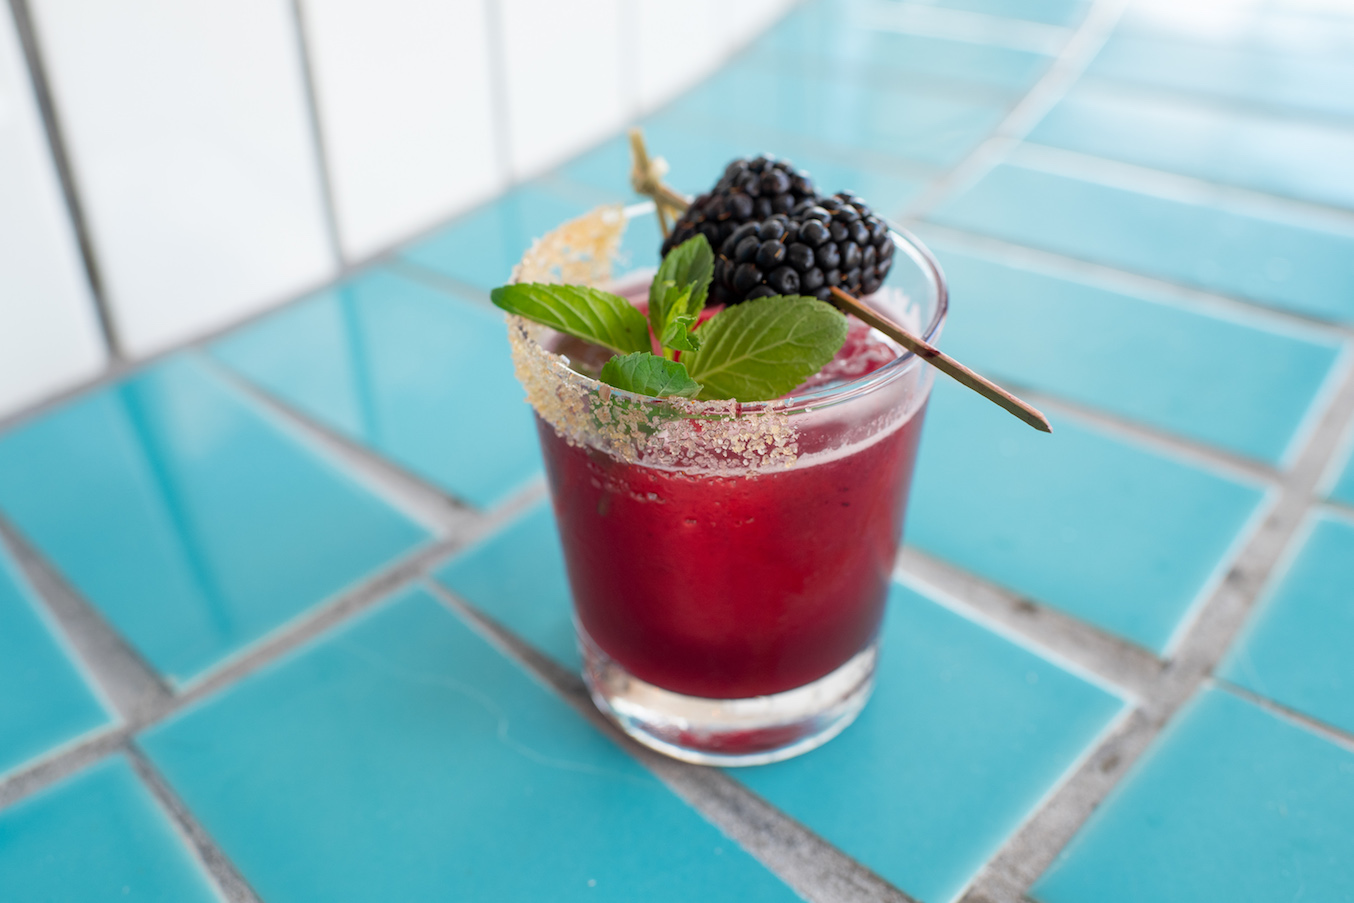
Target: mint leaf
{"x": 586, "y": 313}
{"x": 645, "y": 373}
{"x": 682, "y": 282}
{"x": 761, "y": 349}
{"x": 677, "y": 334}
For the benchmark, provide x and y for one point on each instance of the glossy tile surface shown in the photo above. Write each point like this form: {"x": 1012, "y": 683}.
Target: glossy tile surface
{"x": 190, "y": 519}
{"x": 1049, "y": 12}
{"x": 852, "y": 39}
{"x": 44, "y": 699}
{"x": 404, "y": 758}
{"x": 1111, "y": 533}
{"x": 516, "y": 576}
{"x": 1271, "y": 153}
{"x": 1296, "y": 648}
{"x": 416, "y": 374}
{"x": 1241, "y": 384}
{"x": 1231, "y": 803}
{"x": 1343, "y": 489}
{"x": 1292, "y": 266}
{"x": 98, "y": 835}
{"x": 1297, "y": 80}
{"x": 965, "y": 733}
{"x": 897, "y": 120}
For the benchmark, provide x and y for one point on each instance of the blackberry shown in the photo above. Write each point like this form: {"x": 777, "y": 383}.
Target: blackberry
{"x": 850, "y": 244}
{"x": 824, "y": 242}
{"x": 750, "y": 190}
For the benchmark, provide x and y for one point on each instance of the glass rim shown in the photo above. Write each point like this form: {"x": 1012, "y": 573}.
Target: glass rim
{"x": 905, "y": 241}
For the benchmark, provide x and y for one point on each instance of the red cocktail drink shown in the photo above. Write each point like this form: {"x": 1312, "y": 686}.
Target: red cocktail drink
{"x": 730, "y": 562}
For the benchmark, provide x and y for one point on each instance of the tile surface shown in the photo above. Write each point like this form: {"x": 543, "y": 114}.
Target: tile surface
{"x": 1270, "y": 153}
{"x": 416, "y": 374}
{"x": 1291, "y": 266}
{"x": 187, "y": 517}
{"x": 517, "y": 577}
{"x": 964, "y": 735}
{"x": 1112, "y": 533}
{"x": 44, "y": 700}
{"x": 1241, "y": 384}
{"x": 402, "y": 757}
{"x": 96, "y": 836}
{"x": 1231, "y": 803}
{"x": 1343, "y": 490}
{"x": 1296, "y": 648}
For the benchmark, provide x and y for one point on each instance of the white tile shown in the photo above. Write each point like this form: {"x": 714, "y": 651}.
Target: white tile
{"x": 191, "y": 144}
{"x": 563, "y": 68}
{"x": 406, "y": 109}
{"x": 675, "y": 43}
{"x": 49, "y": 334}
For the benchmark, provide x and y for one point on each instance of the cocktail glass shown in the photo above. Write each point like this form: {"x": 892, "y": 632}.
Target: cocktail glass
{"x": 729, "y": 561}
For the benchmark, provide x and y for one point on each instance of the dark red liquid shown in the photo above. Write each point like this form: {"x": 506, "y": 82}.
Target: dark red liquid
{"x": 729, "y": 587}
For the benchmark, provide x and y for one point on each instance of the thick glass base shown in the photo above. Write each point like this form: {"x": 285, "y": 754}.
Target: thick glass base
{"x": 729, "y": 732}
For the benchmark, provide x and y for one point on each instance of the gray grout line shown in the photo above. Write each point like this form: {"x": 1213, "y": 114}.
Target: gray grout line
{"x": 232, "y": 885}
{"x": 1089, "y": 648}
{"x": 320, "y": 146}
{"x": 1065, "y": 70}
{"x": 815, "y": 869}
{"x": 1326, "y": 731}
{"x": 1125, "y": 281}
{"x": 440, "y": 281}
{"x": 50, "y": 769}
{"x": 65, "y": 173}
{"x": 127, "y": 681}
{"x": 1010, "y": 874}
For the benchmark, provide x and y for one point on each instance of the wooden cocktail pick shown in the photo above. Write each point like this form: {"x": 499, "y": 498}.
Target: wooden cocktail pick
{"x": 646, "y": 177}
{"x": 940, "y": 360}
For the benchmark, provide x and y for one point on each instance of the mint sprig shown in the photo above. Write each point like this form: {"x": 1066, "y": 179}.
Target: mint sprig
{"x": 754, "y": 351}
{"x": 763, "y": 348}
{"x": 645, "y": 373}
{"x": 582, "y": 312}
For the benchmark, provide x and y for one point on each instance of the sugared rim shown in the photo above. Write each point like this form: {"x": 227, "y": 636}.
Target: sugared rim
{"x": 904, "y": 241}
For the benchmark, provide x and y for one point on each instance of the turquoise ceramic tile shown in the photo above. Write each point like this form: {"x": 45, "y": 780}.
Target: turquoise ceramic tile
{"x": 1239, "y": 383}
{"x": 1286, "y": 265}
{"x": 1231, "y": 804}
{"x": 1296, "y": 648}
{"x": 44, "y": 701}
{"x": 840, "y": 33}
{"x": 698, "y": 153}
{"x": 403, "y": 758}
{"x": 189, "y": 518}
{"x": 1112, "y": 533}
{"x": 1049, "y": 12}
{"x": 517, "y": 578}
{"x": 413, "y": 373}
{"x": 965, "y": 734}
{"x": 97, "y": 836}
{"x": 898, "y": 120}
{"x": 1308, "y": 82}
{"x": 481, "y": 248}
{"x": 1276, "y": 154}
{"x": 1343, "y": 490}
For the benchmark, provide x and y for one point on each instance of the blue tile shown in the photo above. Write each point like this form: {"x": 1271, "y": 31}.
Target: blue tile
{"x": 517, "y": 577}
{"x": 413, "y": 373}
{"x": 1280, "y": 155}
{"x": 44, "y": 702}
{"x": 964, "y": 736}
{"x": 404, "y": 758}
{"x": 1049, "y": 12}
{"x": 1304, "y": 81}
{"x": 1241, "y": 383}
{"x": 1296, "y": 648}
{"x": 1231, "y": 804}
{"x": 1286, "y": 265}
{"x": 1112, "y": 533}
{"x": 1343, "y": 490}
{"x": 898, "y": 121}
{"x": 841, "y": 33}
{"x": 481, "y": 248}
{"x": 96, "y": 836}
{"x": 191, "y": 520}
